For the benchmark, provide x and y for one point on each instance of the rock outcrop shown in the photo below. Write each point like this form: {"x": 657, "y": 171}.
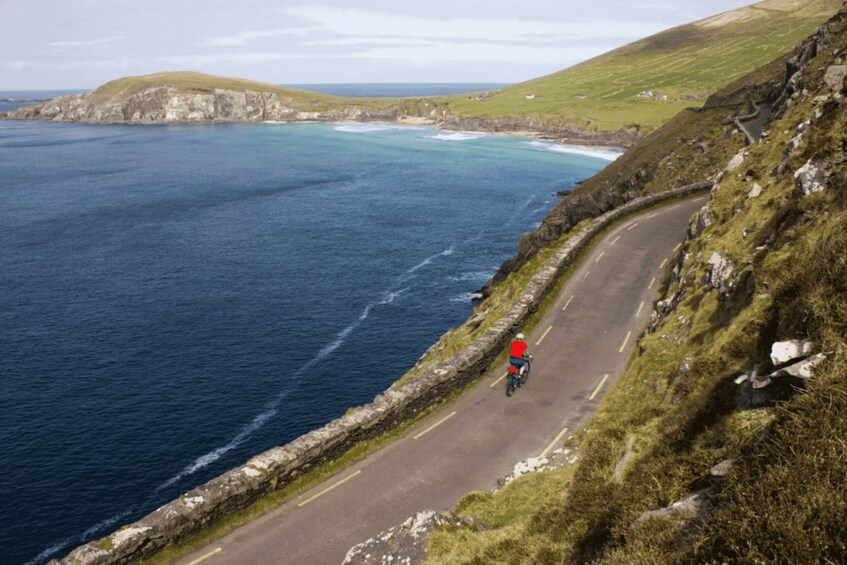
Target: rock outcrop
{"x": 167, "y": 104}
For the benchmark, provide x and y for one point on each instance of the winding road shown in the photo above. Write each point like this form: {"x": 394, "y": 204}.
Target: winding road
{"x": 581, "y": 348}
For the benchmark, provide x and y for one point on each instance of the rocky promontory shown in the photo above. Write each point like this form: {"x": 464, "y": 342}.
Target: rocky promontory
{"x": 184, "y": 97}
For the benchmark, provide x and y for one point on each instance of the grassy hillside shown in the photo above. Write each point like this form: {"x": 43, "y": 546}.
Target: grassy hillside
{"x": 194, "y": 82}
{"x": 686, "y": 64}
{"x": 677, "y": 412}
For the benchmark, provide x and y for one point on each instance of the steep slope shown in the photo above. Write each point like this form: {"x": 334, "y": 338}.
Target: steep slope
{"x": 720, "y": 444}
{"x": 671, "y": 70}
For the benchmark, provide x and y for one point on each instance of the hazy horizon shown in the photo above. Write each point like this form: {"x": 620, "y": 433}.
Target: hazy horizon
{"x": 86, "y": 43}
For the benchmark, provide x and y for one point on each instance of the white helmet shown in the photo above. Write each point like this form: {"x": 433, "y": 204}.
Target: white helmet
{"x": 520, "y": 336}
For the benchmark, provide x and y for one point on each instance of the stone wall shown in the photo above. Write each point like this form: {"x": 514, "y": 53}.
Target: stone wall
{"x": 277, "y": 467}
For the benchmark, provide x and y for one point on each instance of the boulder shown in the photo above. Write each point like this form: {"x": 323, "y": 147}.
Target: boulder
{"x": 406, "y": 543}
{"x": 695, "y": 505}
{"x": 755, "y": 192}
{"x": 810, "y": 178}
{"x": 722, "y": 468}
{"x": 834, "y": 77}
{"x": 784, "y": 351}
{"x": 735, "y": 162}
{"x": 804, "y": 369}
{"x": 720, "y": 271}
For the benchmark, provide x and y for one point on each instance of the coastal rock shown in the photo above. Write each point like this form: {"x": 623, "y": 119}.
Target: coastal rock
{"x": 810, "y": 178}
{"x": 834, "y": 77}
{"x": 722, "y": 468}
{"x": 785, "y": 351}
{"x": 735, "y": 162}
{"x": 695, "y": 505}
{"x": 701, "y": 220}
{"x": 719, "y": 272}
{"x": 407, "y": 543}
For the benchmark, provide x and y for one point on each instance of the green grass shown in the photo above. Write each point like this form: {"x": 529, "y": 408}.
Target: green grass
{"x": 686, "y": 64}
{"x": 786, "y": 500}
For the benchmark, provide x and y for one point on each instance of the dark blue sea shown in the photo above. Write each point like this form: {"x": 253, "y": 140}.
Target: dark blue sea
{"x": 176, "y": 299}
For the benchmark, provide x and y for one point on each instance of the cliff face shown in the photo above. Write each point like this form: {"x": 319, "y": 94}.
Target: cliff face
{"x": 167, "y": 104}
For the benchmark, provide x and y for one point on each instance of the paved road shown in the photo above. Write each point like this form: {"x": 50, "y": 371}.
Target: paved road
{"x": 581, "y": 348}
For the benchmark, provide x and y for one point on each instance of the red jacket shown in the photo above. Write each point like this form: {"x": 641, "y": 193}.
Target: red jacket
{"x": 518, "y": 348}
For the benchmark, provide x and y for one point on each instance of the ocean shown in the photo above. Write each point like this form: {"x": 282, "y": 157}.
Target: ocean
{"x": 176, "y": 299}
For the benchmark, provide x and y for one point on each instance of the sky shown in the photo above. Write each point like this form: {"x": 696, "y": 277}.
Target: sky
{"x": 80, "y": 44}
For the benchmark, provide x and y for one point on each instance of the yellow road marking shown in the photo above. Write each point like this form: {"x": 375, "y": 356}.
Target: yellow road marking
{"x": 503, "y": 376}
{"x": 208, "y": 555}
{"x": 628, "y": 335}
{"x": 664, "y": 261}
{"x": 568, "y": 303}
{"x": 435, "y": 425}
{"x": 652, "y": 283}
{"x": 614, "y": 241}
{"x": 651, "y": 216}
{"x": 599, "y": 386}
{"x": 678, "y": 245}
{"x": 597, "y": 260}
{"x": 547, "y": 331}
{"x": 632, "y": 226}
{"x": 329, "y": 488}
{"x": 640, "y": 306}
{"x": 586, "y": 275}
{"x": 553, "y": 443}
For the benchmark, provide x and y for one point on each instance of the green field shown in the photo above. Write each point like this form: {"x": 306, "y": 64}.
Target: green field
{"x": 685, "y": 64}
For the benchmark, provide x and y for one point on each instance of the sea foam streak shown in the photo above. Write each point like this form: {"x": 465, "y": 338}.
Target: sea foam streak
{"x": 607, "y": 154}
{"x": 430, "y": 259}
{"x": 207, "y": 459}
{"x": 368, "y": 127}
{"x": 81, "y": 538}
{"x": 458, "y": 136}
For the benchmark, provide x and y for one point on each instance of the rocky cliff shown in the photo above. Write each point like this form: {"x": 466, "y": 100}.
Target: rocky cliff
{"x": 169, "y": 104}
{"x": 169, "y": 98}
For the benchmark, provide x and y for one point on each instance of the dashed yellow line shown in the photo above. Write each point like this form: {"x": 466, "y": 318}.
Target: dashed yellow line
{"x": 651, "y": 216}
{"x": 652, "y": 283}
{"x": 678, "y": 245}
{"x": 206, "y": 556}
{"x": 632, "y": 226}
{"x": 547, "y": 331}
{"x": 597, "y": 260}
{"x": 503, "y": 376}
{"x": 640, "y": 306}
{"x": 553, "y": 443}
{"x": 599, "y": 387}
{"x": 435, "y": 425}
{"x": 568, "y": 303}
{"x": 614, "y": 241}
{"x": 664, "y": 262}
{"x": 625, "y": 341}
{"x": 586, "y": 275}
{"x": 329, "y": 488}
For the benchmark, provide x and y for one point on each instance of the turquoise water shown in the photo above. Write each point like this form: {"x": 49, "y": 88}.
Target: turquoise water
{"x": 176, "y": 299}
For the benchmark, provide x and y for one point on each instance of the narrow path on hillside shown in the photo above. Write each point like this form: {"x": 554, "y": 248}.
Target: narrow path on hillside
{"x": 581, "y": 347}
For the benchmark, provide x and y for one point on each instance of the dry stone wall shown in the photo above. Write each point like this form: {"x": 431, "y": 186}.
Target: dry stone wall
{"x": 277, "y": 467}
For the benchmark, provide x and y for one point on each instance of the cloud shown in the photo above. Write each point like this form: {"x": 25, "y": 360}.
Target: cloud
{"x": 98, "y": 41}
{"x": 246, "y": 37}
{"x": 353, "y": 22}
